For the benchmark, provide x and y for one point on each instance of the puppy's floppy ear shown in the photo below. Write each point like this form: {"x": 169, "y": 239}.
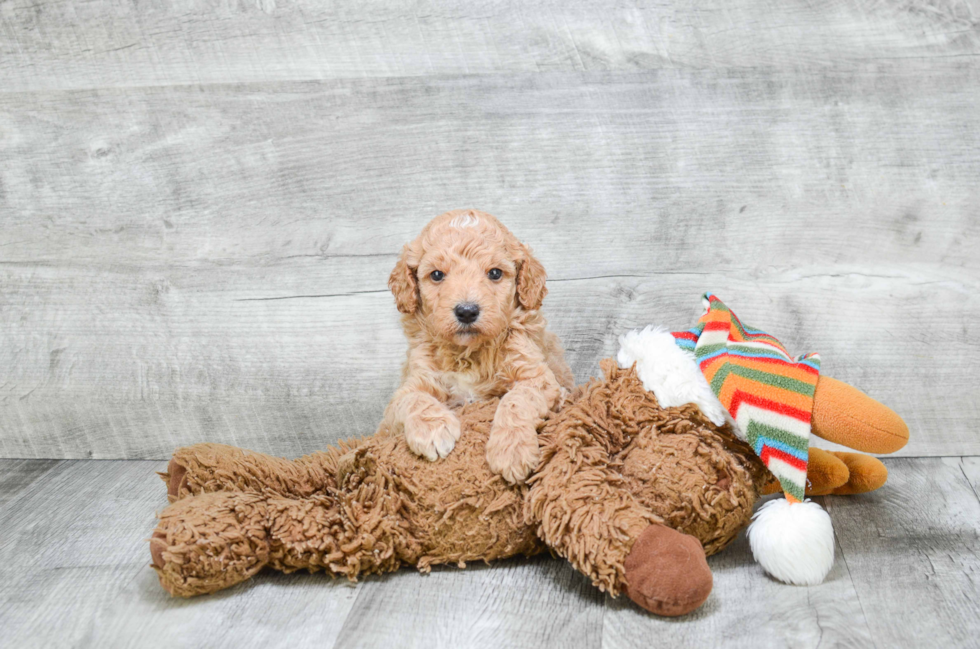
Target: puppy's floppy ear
{"x": 531, "y": 278}
{"x": 404, "y": 284}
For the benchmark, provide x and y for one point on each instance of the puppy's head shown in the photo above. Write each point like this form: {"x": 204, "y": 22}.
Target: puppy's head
{"x": 465, "y": 277}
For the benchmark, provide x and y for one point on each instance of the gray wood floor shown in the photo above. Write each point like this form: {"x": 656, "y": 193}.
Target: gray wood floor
{"x": 74, "y": 573}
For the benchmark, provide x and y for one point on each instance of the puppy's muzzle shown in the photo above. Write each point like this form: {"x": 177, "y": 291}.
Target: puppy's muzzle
{"x": 467, "y": 312}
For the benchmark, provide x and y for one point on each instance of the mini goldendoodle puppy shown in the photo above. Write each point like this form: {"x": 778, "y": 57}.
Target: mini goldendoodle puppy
{"x": 469, "y": 292}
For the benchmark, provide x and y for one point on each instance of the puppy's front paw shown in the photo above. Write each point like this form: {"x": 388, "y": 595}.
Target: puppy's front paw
{"x": 432, "y": 434}
{"x": 513, "y": 453}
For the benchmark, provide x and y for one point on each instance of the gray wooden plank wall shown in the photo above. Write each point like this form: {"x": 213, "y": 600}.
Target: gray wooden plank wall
{"x": 106, "y": 43}
{"x": 200, "y": 203}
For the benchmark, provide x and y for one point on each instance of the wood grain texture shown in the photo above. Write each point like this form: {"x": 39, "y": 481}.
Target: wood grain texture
{"x": 300, "y": 183}
{"x": 17, "y": 476}
{"x": 515, "y": 603}
{"x": 74, "y": 572}
{"x": 107, "y": 43}
{"x": 296, "y": 386}
{"x": 912, "y": 549}
{"x": 209, "y": 263}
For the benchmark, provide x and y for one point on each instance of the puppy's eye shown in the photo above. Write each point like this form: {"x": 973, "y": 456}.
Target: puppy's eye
{"x": 437, "y": 275}
{"x": 495, "y": 274}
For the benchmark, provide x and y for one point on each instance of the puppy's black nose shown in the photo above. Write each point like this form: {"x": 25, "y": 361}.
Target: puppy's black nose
{"x": 467, "y": 312}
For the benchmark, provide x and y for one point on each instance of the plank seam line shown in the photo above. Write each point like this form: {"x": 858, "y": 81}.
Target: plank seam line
{"x": 857, "y": 594}
{"x": 350, "y": 611}
{"x": 315, "y": 296}
{"x": 967, "y": 478}
{"x": 924, "y": 457}
{"x": 589, "y": 77}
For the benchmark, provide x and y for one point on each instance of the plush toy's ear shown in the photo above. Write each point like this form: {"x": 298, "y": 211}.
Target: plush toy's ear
{"x": 531, "y": 278}
{"x": 404, "y": 284}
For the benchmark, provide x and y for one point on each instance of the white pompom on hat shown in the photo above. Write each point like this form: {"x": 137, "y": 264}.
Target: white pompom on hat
{"x": 793, "y": 541}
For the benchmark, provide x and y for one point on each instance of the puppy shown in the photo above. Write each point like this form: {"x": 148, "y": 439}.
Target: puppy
{"x": 469, "y": 292}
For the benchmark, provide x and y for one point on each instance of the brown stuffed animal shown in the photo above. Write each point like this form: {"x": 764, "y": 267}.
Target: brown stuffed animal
{"x": 633, "y": 494}
{"x": 371, "y": 506}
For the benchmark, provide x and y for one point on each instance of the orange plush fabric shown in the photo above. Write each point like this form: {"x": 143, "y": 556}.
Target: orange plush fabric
{"x": 825, "y": 472}
{"x": 839, "y": 473}
{"x": 844, "y": 415}
{"x": 865, "y": 473}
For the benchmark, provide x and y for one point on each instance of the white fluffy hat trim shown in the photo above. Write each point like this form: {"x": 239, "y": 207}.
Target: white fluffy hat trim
{"x": 671, "y": 373}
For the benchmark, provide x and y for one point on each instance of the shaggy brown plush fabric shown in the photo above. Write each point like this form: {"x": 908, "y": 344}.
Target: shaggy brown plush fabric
{"x": 366, "y": 507}
{"x": 614, "y": 463}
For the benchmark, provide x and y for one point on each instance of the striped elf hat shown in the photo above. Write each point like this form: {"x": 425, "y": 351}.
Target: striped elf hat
{"x": 745, "y": 376}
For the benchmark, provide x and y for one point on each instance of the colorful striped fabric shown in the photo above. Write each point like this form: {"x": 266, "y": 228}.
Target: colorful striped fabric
{"x": 768, "y": 393}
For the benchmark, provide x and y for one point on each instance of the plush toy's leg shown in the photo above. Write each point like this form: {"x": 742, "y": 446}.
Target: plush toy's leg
{"x": 212, "y": 541}
{"x": 824, "y": 472}
{"x": 865, "y": 473}
{"x": 589, "y": 517}
{"x": 838, "y": 473}
{"x": 845, "y": 415}
{"x": 206, "y": 468}
{"x": 667, "y": 572}
{"x": 614, "y": 541}
{"x": 209, "y": 542}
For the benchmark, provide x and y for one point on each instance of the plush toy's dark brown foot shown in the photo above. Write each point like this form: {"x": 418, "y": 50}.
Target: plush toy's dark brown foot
{"x": 667, "y": 572}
